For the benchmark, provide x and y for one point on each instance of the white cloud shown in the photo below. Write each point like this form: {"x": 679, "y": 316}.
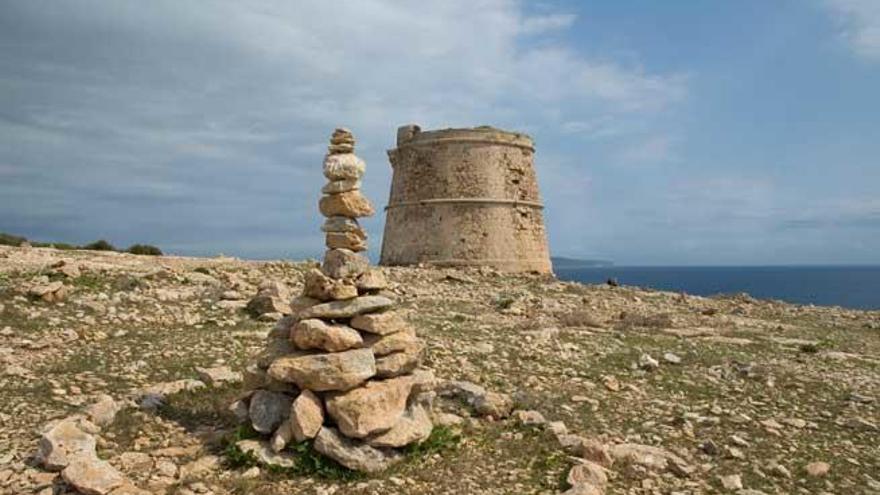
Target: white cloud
{"x": 860, "y": 21}
{"x": 540, "y": 24}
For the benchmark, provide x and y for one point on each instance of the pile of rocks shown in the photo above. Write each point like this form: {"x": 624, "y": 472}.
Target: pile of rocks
{"x": 341, "y": 369}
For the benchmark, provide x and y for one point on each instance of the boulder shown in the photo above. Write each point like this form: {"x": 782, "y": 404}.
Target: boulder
{"x": 587, "y": 472}
{"x": 316, "y": 334}
{"x": 306, "y": 416}
{"x": 350, "y": 204}
{"x": 323, "y": 372}
{"x": 380, "y": 323}
{"x": 92, "y": 476}
{"x": 414, "y": 426}
{"x": 343, "y": 263}
{"x": 321, "y": 287}
{"x": 372, "y": 408}
{"x": 341, "y": 186}
{"x": 348, "y": 308}
{"x": 383, "y": 345}
{"x": 344, "y": 166}
{"x": 346, "y": 240}
{"x": 268, "y": 410}
{"x": 353, "y": 454}
{"x": 62, "y": 442}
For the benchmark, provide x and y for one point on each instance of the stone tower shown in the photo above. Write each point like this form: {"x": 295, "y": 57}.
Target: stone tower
{"x": 465, "y": 197}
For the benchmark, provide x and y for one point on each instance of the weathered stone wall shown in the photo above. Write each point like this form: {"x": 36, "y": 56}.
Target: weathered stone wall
{"x": 465, "y": 197}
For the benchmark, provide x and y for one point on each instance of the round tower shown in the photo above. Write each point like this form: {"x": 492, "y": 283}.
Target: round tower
{"x": 465, "y": 197}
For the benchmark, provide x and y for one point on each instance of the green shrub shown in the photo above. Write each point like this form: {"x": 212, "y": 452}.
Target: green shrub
{"x": 11, "y": 240}
{"x": 100, "y": 245}
{"x": 145, "y": 249}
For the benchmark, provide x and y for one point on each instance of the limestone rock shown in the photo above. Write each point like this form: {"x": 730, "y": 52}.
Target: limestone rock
{"x": 588, "y": 473}
{"x": 350, "y": 204}
{"x": 584, "y": 489}
{"x": 323, "y": 372}
{"x": 346, "y": 309}
{"x": 649, "y": 457}
{"x": 372, "y": 408}
{"x": 383, "y": 345}
{"x": 343, "y": 166}
{"x": 343, "y": 263}
{"x": 262, "y": 304}
{"x": 316, "y": 334}
{"x": 399, "y": 363}
{"x": 268, "y": 410}
{"x": 379, "y": 323}
{"x": 494, "y": 404}
{"x": 218, "y": 376}
{"x": 346, "y": 240}
{"x": 353, "y": 454}
{"x": 817, "y": 469}
{"x": 50, "y": 292}
{"x": 103, "y": 411}
{"x": 92, "y": 476}
{"x": 62, "y": 442}
{"x": 370, "y": 281}
{"x": 414, "y": 426}
{"x": 341, "y": 186}
{"x": 321, "y": 287}
{"x": 306, "y": 416}
{"x": 264, "y": 454}
{"x": 343, "y": 224}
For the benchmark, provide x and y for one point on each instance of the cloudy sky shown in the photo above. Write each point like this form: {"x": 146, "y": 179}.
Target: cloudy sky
{"x": 684, "y": 132}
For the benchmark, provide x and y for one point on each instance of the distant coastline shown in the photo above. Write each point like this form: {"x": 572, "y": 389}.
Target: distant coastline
{"x": 563, "y": 263}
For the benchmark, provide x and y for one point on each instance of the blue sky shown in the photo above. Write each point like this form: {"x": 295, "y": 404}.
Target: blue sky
{"x": 683, "y": 133}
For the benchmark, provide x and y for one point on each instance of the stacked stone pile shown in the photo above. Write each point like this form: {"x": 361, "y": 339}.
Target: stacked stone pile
{"x": 341, "y": 369}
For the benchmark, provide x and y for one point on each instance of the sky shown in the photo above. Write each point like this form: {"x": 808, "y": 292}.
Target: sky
{"x": 667, "y": 133}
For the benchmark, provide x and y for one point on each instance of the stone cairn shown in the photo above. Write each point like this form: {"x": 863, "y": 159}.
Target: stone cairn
{"x": 341, "y": 369}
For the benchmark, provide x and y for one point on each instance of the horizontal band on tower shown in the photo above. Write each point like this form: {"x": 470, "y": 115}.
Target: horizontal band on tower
{"x": 463, "y": 139}
{"x": 485, "y": 201}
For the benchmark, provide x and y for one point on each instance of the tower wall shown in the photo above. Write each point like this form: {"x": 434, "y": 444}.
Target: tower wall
{"x": 465, "y": 197}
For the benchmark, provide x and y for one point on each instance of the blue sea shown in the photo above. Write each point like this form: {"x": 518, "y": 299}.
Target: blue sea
{"x": 847, "y": 286}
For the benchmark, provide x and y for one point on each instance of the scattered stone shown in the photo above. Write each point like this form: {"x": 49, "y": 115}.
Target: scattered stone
{"x": 92, "y": 476}
{"x": 103, "y": 411}
{"x": 529, "y": 418}
{"x": 646, "y": 362}
{"x": 731, "y": 482}
{"x": 817, "y": 469}
{"x": 649, "y": 457}
{"x": 671, "y": 358}
{"x": 494, "y": 404}
{"x": 352, "y": 454}
{"x": 218, "y": 376}
{"x": 62, "y": 442}
{"x": 588, "y": 473}
{"x": 263, "y": 453}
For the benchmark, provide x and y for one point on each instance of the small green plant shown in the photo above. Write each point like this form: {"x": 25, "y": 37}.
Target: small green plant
{"x": 809, "y": 348}
{"x": 144, "y": 249}
{"x": 442, "y": 438}
{"x": 100, "y": 245}
{"x": 203, "y": 270}
{"x": 504, "y": 301}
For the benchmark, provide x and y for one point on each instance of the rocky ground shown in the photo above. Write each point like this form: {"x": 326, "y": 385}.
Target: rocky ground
{"x": 752, "y": 396}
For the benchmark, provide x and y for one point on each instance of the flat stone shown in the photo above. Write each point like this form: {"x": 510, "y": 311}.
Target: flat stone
{"x": 324, "y": 372}
{"x": 323, "y": 288}
{"x": 354, "y": 454}
{"x": 346, "y": 240}
{"x": 383, "y": 345}
{"x": 400, "y": 363}
{"x": 380, "y": 323}
{"x": 350, "y": 204}
{"x": 372, "y": 408}
{"x": 346, "y": 309}
{"x": 343, "y": 263}
{"x": 103, "y": 411}
{"x": 306, "y": 416}
{"x": 413, "y": 427}
{"x": 264, "y": 454}
{"x": 92, "y": 476}
{"x": 731, "y": 482}
{"x": 268, "y": 410}
{"x": 62, "y": 442}
{"x": 343, "y": 224}
{"x": 341, "y": 186}
{"x": 344, "y": 166}
{"x": 218, "y": 376}
{"x": 371, "y": 280}
{"x": 316, "y": 334}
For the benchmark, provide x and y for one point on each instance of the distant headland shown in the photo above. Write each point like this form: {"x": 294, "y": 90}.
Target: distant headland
{"x": 560, "y": 262}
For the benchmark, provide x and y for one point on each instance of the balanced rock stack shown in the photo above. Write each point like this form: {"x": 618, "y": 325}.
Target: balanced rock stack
{"x": 341, "y": 368}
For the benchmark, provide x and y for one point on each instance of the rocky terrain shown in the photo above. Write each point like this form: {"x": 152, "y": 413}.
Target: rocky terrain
{"x": 685, "y": 394}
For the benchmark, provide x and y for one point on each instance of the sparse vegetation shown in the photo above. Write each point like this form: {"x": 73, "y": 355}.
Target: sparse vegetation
{"x": 144, "y": 249}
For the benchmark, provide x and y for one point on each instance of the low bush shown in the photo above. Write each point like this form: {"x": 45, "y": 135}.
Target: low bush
{"x": 100, "y": 245}
{"x": 144, "y": 249}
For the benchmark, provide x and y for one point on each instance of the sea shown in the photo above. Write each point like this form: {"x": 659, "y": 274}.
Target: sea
{"x": 855, "y": 287}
